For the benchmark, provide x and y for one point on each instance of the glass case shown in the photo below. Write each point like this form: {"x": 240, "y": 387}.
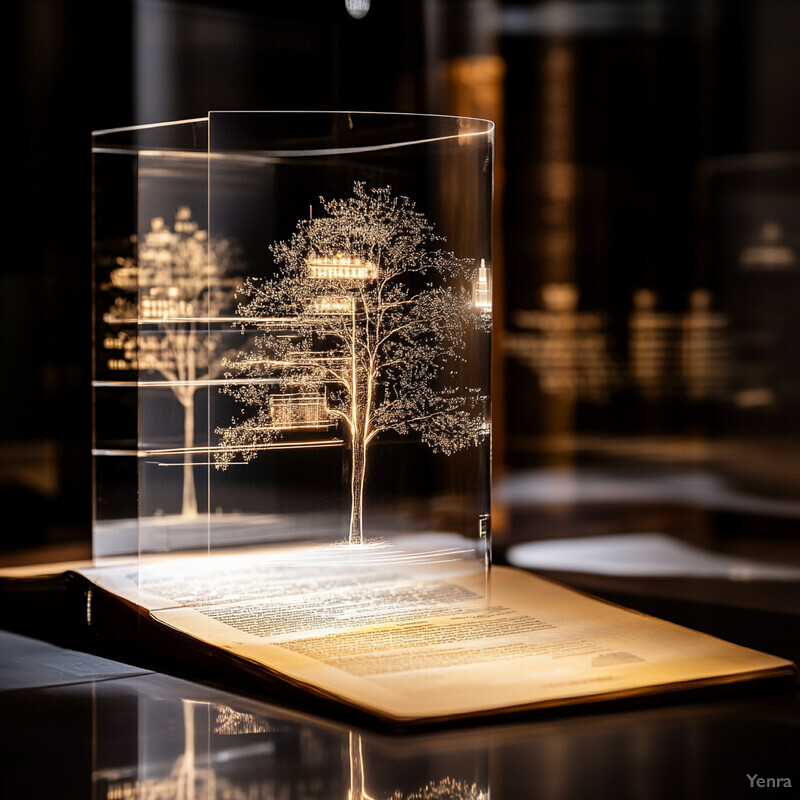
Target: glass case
{"x": 292, "y": 326}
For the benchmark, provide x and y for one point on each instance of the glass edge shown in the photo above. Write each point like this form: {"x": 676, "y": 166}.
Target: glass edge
{"x": 412, "y": 114}
{"x": 148, "y": 126}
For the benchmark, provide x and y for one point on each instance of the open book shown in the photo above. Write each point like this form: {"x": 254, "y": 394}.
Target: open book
{"x": 402, "y": 646}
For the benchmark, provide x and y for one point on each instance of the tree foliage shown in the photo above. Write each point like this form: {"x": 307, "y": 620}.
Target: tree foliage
{"x": 367, "y": 312}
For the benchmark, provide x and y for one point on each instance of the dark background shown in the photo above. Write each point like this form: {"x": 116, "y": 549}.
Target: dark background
{"x": 674, "y": 122}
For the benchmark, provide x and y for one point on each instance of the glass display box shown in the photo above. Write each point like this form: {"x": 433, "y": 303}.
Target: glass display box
{"x": 292, "y": 334}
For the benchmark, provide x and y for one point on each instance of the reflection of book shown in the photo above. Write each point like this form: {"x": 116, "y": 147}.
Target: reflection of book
{"x": 385, "y": 639}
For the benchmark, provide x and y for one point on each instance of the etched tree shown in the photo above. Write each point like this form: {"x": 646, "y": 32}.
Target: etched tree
{"x": 173, "y": 290}
{"x": 361, "y": 327}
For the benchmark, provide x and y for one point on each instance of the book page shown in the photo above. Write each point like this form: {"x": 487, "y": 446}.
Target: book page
{"x": 411, "y": 647}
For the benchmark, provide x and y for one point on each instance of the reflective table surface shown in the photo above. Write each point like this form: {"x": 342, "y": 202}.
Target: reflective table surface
{"x": 75, "y": 725}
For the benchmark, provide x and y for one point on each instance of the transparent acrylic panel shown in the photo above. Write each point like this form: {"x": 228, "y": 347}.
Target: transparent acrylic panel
{"x": 354, "y": 408}
{"x": 122, "y": 160}
{"x": 178, "y": 289}
{"x": 293, "y": 324}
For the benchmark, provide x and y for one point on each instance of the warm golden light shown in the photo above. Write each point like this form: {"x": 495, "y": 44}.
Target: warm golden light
{"x": 164, "y": 304}
{"x": 341, "y": 267}
{"x": 482, "y": 288}
{"x": 332, "y": 305}
{"x": 296, "y": 411}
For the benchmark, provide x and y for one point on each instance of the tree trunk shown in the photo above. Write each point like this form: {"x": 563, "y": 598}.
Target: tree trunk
{"x": 357, "y": 471}
{"x": 189, "y": 507}
{"x": 357, "y": 777}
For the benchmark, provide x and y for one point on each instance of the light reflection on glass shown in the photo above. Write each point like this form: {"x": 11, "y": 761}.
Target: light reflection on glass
{"x": 155, "y": 737}
{"x": 198, "y": 747}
